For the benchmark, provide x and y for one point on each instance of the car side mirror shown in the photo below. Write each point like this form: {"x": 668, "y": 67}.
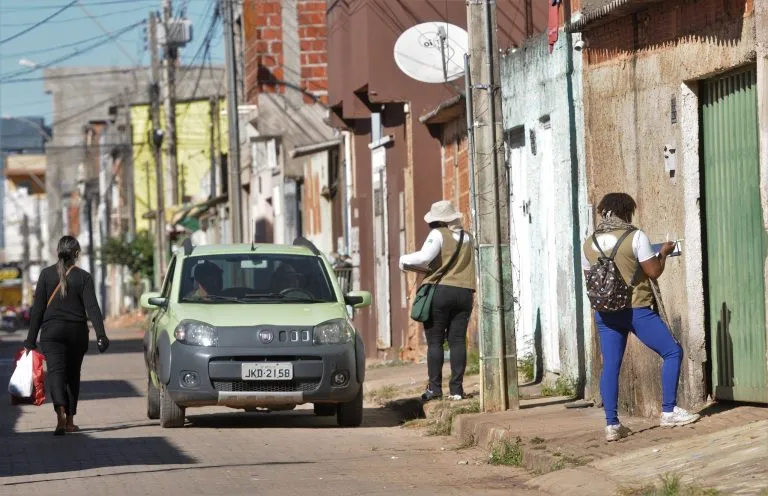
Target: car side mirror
{"x": 153, "y": 300}
{"x": 358, "y": 299}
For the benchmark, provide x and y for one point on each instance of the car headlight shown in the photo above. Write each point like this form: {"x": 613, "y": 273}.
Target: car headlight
{"x": 196, "y": 334}
{"x": 334, "y": 332}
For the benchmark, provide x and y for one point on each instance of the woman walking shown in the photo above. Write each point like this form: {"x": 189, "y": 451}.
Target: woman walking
{"x": 64, "y": 301}
{"x": 447, "y": 258}
{"x": 630, "y": 249}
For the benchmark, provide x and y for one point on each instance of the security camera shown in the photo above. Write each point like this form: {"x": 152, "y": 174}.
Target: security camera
{"x": 580, "y": 45}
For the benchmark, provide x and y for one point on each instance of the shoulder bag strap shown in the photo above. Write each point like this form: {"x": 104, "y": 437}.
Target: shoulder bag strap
{"x": 58, "y": 286}
{"x": 452, "y": 260}
{"x": 618, "y": 243}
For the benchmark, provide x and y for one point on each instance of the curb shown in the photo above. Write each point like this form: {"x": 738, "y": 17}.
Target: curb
{"x": 486, "y": 435}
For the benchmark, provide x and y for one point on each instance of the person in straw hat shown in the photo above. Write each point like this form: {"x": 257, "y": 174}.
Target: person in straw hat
{"x": 447, "y": 260}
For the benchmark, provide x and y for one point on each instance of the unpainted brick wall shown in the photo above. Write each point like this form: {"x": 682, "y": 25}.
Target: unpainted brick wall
{"x": 455, "y": 167}
{"x": 264, "y": 54}
{"x": 313, "y": 48}
{"x": 661, "y": 25}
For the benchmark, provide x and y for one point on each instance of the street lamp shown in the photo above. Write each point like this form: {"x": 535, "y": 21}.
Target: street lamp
{"x": 29, "y": 63}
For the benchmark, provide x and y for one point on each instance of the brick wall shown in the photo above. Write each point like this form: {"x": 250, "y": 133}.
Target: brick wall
{"x": 313, "y": 48}
{"x": 265, "y": 52}
{"x": 455, "y": 168}
{"x": 665, "y": 24}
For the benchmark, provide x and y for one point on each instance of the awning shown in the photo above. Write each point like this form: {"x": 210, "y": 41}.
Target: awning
{"x": 188, "y": 217}
{"x": 446, "y": 111}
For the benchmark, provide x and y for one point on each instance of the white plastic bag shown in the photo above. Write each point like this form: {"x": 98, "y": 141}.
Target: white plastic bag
{"x": 22, "y": 380}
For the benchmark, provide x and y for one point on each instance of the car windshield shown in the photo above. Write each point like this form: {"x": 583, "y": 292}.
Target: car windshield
{"x": 255, "y": 278}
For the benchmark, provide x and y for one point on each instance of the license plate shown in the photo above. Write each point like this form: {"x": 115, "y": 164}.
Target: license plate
{"x": 270, "y": 371}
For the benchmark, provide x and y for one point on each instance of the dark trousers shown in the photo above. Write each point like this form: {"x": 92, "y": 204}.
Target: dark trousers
{"x": 64, "y": 345}
{"x": 449, "y": 319}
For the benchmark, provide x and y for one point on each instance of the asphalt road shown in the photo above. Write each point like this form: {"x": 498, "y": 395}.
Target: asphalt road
{"x": 221, "y": 451}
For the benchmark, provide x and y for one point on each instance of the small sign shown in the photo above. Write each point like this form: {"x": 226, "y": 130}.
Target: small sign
{"x": 9, "y": 272}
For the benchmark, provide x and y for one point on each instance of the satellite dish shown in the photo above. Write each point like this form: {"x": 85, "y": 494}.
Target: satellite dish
{"x": 432, "y": 52}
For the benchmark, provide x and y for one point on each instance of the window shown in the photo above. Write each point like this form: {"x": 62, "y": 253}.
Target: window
{"x": 255, "y": 278}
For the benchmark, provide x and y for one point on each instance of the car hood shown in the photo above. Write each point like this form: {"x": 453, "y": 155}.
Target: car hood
{"x": 276, "y": 314}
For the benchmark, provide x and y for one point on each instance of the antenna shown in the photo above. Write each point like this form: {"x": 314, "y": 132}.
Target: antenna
{"x": 432, "y": 52}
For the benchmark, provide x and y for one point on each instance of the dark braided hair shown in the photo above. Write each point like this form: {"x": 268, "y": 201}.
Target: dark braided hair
{"x": 619, "y": 205}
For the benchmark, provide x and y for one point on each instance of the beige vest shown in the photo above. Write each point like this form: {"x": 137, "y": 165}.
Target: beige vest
{"x": 462, "y": 272}
{"x": 642, "y": 295}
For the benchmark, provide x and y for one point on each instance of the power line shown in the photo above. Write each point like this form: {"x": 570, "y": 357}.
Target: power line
{"x": 74, "y": 19}
{"x": 88, "y": 4}
{"x": 11, "y": 78}
{"x": 39, "y": 23}
{"x": 50, "y": 49}
{"x": 73, "y": 75}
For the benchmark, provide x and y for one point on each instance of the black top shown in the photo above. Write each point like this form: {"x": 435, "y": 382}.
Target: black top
{"x": 78, "y": 306}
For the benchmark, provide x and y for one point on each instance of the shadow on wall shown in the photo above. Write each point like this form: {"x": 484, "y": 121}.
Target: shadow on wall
{"x": 538, "y": 348}
{"x": 648, "y": 30}
{"x": 724, "y": 363}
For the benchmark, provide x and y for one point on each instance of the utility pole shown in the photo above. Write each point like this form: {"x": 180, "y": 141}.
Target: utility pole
{"x": 498, "y": 350}
{"x": 27, "y": 280}
{"x": 170, "y": 55}
{"x": 235, "y": 217}
{"x": 214, "y": 106}
{"x": 156, "y": 140}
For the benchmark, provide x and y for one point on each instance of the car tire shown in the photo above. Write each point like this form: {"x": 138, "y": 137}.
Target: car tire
{"x": 325, "y": 409}
{"x": 350, "y": 414}
{"x": 171, "y": 415}
{"x": 153, "y": 400}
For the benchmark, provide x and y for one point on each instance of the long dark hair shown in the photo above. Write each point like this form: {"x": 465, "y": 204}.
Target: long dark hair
{"x": 68, "y": 251}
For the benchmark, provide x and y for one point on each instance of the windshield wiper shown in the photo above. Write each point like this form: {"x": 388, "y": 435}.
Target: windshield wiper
{"x": 210, "y": 298}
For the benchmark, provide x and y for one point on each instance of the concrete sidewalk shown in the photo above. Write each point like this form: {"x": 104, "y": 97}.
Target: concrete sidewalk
{"x": 727, "y": 450}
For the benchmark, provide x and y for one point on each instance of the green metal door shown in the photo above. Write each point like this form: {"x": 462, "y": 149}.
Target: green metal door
{"x": 735, "y": 238}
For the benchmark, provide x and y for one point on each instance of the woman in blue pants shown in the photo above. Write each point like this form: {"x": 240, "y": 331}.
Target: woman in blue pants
{"x": 637, "y": 264}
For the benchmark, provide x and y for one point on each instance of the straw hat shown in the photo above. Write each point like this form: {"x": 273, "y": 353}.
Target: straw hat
{"x": 442, "y": 211}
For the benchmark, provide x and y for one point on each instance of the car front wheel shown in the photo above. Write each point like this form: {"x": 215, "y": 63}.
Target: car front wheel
{"x": 171, "y": 414}
{"x": 153, "y": 400}
{"x": 351, "y": 414}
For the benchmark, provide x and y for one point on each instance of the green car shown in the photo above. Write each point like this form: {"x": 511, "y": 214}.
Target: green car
{"x": 253, "y": 327}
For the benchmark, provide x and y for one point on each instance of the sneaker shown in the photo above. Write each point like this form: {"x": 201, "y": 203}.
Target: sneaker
{"x": 616, "y": 432}
{"x": 456, "y": 397}
{"x": 678, "y": 417}
{"x": 430, "y": 395}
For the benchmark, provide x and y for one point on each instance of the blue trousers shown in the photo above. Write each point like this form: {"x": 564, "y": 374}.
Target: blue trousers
{"x": 614, "y": 328}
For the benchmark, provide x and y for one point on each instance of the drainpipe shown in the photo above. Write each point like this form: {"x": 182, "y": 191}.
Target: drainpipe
{"x": 576, "y": 236}
{"x": 349, "y": 191}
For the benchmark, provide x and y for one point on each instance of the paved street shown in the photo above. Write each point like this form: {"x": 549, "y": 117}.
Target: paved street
{"x": 220, "y": 451}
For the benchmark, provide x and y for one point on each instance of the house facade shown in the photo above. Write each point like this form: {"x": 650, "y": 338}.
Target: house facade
{"x": 675, "y": 114}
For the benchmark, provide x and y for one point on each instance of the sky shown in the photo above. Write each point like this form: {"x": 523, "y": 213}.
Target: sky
{"x": 72, "y": 38}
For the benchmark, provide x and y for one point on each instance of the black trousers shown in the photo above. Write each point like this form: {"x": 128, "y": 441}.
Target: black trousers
{"x": 64, "y": 345}
{"x": 449, "y": 319}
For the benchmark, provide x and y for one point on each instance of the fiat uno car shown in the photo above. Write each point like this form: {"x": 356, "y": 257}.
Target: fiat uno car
{"x": 253, "y": 327}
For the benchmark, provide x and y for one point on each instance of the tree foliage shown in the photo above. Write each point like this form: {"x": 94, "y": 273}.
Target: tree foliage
{"x": 137, "y": 256}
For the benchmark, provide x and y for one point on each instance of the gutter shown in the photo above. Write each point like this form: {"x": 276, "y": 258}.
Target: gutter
{"x": 315, "y": 147}
{"x": 595, "y": 15}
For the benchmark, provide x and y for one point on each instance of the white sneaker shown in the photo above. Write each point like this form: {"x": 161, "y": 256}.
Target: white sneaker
{"x": 455, "y": 397}
{"x": 616, "y": 432}
{"x": 678, "y": 417}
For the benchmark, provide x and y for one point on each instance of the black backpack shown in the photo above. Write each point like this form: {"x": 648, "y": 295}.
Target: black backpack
{"x": 606, "y": 288}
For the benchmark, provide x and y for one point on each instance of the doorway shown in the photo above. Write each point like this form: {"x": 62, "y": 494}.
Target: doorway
{"x": 735, "y": 237}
